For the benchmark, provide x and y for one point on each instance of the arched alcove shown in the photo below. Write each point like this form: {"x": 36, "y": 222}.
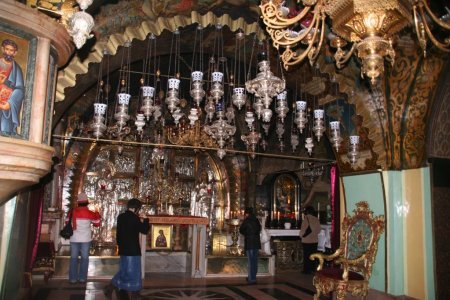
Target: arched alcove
{"x": 438, "y": 153}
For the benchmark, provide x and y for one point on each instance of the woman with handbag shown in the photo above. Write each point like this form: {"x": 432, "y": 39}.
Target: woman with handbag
{"x": 80, "y": 241}
{"x": 309, "y": 233}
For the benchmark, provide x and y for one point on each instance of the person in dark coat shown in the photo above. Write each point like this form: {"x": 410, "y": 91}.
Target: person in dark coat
{"x": 129, "y": 226}
{"x": 251, "y": 229}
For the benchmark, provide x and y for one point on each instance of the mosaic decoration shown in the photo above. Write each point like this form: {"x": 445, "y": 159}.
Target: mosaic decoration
{"x": 359, "y": 238}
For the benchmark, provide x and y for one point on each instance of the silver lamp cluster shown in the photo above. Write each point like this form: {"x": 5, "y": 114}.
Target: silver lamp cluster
{"x": 221, "y": 127}
{"x": 219, "y": 120}
{"x": 120, "y": 129}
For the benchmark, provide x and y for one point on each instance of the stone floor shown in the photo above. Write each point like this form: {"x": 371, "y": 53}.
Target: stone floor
{"x": 285, "y": 285}
{"x": 179, "y": 286}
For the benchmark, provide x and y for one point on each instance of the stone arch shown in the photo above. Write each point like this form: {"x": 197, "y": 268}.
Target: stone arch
{"x": 68, "y": 76}
{"x": 438, "y": 154}
{"x": 438, "y": 136}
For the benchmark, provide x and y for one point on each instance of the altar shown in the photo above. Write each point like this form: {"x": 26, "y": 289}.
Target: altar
{"x": 324, "y": 238}
{"x": 286, "y": 245}
{"x": 283, "y": 232}
{"x": 169, "y": 226}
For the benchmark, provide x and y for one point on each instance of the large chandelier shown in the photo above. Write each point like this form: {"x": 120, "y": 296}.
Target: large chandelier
{"x": 369, "y": 25}
{"x": 265, "y": 86}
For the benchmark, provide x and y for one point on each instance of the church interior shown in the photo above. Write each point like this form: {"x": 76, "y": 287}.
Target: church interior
{"x": 201, "y": 109}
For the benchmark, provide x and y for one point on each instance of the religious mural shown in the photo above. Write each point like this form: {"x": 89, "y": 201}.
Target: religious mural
{"x": 13, "y": 67}
{"x": 283, "y": 203}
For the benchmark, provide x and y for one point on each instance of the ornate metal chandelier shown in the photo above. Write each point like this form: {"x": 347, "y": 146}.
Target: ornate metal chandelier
{"x": 220, "y": 131}
{"x": 369, "y": 25}
{"x": 251, "y": 139}
{"x": 265, "y": 86}
{"x": 98, "y": 124}
{"x": 353, "y": 151}
{"x": 81, "y": 24}
{"x": 72, "y": 15}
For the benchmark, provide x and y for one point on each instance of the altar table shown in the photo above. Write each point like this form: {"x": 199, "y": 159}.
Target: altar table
{"x": 198, "y": 239}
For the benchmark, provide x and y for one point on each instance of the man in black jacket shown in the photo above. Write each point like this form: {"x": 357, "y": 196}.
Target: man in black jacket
{"x": 129, "y": 225}
{"x": 251, "y": 229}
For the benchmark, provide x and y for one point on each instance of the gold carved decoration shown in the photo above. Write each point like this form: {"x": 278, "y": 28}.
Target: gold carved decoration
{"x": 411, "y": 85}
{"x": 352, "y": 263}
{"x": 315, "y": 86}
{"x": 190, "y": 136}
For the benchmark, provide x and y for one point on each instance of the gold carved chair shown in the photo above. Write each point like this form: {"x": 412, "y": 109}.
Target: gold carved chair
{"x": 351, "y": 265}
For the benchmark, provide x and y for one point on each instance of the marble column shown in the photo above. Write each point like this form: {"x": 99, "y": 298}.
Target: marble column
{"x": 40, "y": 90}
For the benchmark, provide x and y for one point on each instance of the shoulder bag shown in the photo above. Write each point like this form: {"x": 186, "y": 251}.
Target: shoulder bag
{"x": 67, "y": 230}
{"x": 308, "y": 230}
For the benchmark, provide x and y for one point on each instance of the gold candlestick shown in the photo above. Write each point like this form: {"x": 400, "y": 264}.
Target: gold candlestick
{"x": 235, "y": 249}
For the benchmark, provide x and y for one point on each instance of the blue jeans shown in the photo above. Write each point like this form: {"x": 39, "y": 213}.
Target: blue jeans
{"x": 82, "y": 249}
{"x": 252, "y": 256}
{"x": 129, "y": 276}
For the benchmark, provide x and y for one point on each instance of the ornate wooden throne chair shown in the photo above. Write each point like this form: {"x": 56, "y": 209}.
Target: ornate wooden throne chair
{"x": 351, "y": 265}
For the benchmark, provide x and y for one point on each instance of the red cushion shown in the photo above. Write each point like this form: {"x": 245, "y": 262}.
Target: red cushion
{"x": 336, "y": 273}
